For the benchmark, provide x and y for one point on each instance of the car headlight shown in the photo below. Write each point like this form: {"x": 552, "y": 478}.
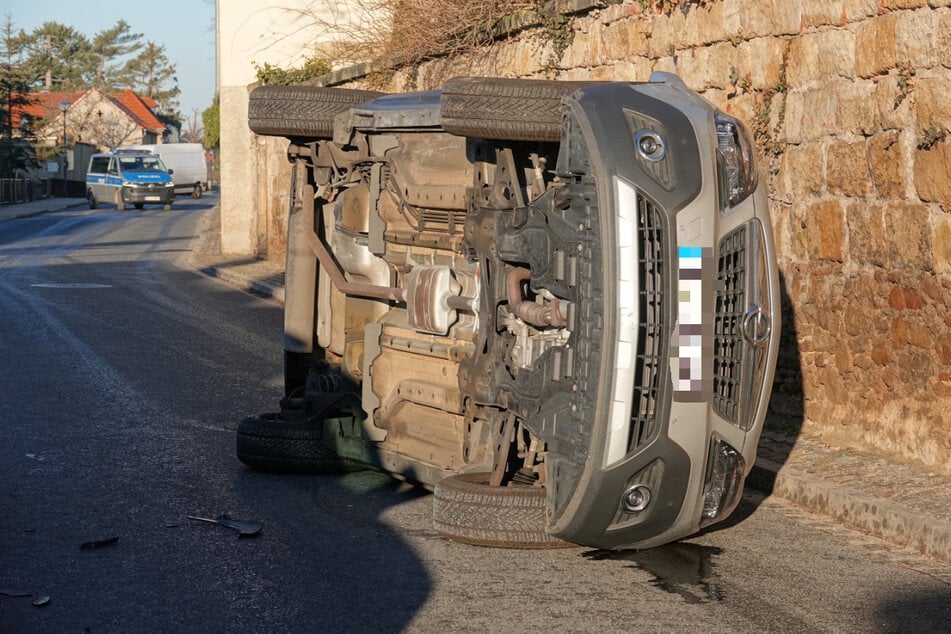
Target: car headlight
{"x": 736, "y": 161}
{"x": 724, "y": 482}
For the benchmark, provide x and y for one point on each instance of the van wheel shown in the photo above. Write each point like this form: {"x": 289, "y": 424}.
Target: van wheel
{"x": 93, "y": 203}
{"x": 301, "y": 111}
{"x": 139, "y": 205}
{"x": 511, "y": 109}
{"x": 120, "y": 204}
{"x": 196, "y": 193}
{"x": 268, "y": 442}
{"x": 467, "y": 509}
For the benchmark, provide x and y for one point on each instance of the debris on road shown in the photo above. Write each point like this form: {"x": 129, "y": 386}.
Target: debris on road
{"x": 15, "y": 594}
{"x": 39, "y": 600}
{"x": 99, "y": 543}
{"x": 245, "y": 528}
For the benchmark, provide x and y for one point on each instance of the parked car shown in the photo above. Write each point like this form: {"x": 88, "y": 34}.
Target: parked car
{"x": 128, "y": 177}
{"x": 185, "y": 162}
{"x": 553, "y": 303}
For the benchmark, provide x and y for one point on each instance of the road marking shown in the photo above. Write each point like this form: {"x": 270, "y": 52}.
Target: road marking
{"x": 71, "y": 285}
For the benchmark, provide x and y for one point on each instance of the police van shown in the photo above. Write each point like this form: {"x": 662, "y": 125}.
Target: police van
{"x": 128, "y": 177}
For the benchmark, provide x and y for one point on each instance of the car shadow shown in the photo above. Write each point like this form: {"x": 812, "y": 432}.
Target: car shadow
{"x": 337, "y": 564}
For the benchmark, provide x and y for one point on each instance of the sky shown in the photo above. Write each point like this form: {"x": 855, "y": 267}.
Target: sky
{"x": 186, "y": 28}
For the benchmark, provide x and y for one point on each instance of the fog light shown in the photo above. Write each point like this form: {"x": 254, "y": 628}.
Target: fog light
{"x": 650, "y": 145}
{"x": 724, "y": 485}
{"x": 636, "y": 498}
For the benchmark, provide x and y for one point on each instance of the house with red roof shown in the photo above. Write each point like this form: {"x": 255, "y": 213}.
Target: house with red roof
{"x": 93, "y": 117}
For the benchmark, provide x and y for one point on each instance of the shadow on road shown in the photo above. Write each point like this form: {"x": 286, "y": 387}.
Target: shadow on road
{"x": 123, "y": 380}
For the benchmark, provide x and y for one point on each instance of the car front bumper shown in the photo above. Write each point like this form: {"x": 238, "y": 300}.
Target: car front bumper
{"x": 691, "y": 326}
{"x": 146, "y": 194}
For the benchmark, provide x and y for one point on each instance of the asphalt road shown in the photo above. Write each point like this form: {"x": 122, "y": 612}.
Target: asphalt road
{"x": 122, "y": 378}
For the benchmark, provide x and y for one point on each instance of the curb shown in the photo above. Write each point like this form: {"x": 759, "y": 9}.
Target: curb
{"x": 878, "y": 517}
{"x": 240, "y": 281}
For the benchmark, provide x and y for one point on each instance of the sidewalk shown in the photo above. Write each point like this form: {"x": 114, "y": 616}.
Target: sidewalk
{"x": 897, "y": 503}
{"x": 37, "y": 207}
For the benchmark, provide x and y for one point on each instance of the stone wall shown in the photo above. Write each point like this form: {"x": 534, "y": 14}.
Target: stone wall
{"x": 850, "y": 101}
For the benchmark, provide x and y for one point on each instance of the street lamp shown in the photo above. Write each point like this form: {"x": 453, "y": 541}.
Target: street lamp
{"x": 64, "y": 106}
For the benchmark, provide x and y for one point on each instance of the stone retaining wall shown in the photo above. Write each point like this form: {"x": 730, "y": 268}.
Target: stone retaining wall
{"x": 850, "y": 101}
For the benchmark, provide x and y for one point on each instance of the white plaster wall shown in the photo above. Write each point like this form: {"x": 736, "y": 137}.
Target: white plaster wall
{"x": 253, "y": 32}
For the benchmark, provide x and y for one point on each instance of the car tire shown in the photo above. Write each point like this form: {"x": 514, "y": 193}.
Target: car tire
{"x": 510, "y": 109}
{"x": 196, "y": 192}
{"x": 467, "y": 509}
{"x": 93, "y": 203}
{"x": 270, "y": 443}
{"x": 139, "y": 205}
{"x": 301, "y": 111}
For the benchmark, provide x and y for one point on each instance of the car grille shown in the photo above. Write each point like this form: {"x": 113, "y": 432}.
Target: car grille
{"x": 728, "y": 334}
{"x": 652, "y": 340}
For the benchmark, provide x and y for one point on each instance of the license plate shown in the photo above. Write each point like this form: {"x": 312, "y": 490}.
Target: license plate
{"x": 152, "y": 198}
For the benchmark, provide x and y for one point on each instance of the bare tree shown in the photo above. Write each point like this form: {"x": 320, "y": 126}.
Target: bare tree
{"x": 193, "y": 131}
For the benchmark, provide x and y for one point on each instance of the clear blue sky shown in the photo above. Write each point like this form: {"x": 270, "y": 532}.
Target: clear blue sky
{"x": 186, "y": 28}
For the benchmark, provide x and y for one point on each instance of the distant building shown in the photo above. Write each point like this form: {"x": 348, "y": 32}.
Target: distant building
{"x": 105, "y": 120}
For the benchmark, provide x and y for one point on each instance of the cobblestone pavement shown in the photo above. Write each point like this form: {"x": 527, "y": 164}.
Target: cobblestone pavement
{"x": 897, "y": 503}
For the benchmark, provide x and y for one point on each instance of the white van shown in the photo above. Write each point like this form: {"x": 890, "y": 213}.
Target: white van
{"x": 185, "y": 162}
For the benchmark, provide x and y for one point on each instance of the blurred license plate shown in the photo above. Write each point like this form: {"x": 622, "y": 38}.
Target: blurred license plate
{"x": 152, "y": 198}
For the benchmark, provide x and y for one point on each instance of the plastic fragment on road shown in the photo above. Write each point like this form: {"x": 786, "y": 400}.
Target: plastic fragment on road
{"x": 245, "y": 528}
{"x": 39, "y": 600}
{"x": 99, "y": 543}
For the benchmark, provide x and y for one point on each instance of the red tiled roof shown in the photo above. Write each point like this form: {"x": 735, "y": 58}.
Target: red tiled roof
{"x": 42, "y": 105}
{"x": 139, "y": 108}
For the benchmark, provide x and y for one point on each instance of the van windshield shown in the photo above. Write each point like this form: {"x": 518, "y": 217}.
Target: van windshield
{"x": 141, "y": 164}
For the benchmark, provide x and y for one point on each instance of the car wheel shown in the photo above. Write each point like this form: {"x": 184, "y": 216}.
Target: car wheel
{"x": 120, "y": 204}
{"x": 196, "y": 193}
{"x": 301, "y": 111}
{"x": 467, "y": 509}
{"x": 139, "y": 205}
{"x": 93, "y": 203}
{"x": 270, "y": 443}
{"x": 511, "y": 109}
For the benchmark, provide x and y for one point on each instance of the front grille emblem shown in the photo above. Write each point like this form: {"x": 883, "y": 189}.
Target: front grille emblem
{"x": 756, "y": 325}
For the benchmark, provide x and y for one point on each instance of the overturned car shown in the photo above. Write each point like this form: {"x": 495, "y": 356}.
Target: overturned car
{"x": 554, "y": 303}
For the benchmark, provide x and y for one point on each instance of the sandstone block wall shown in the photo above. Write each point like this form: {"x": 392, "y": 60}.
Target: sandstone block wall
{"x": 850, "y": 101}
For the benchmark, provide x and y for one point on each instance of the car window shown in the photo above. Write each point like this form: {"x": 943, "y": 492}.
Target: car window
{"x": 141, "y": 164}
{"x": 99, "y": 164}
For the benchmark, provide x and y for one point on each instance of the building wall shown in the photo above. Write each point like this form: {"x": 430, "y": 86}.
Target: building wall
{"x": 256, "y": 32}
{"x": 849, "y": 101}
